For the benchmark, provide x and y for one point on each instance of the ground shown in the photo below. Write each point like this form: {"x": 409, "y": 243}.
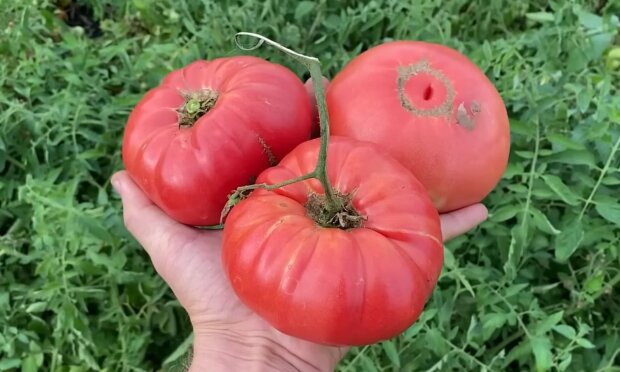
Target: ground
{"x": 534, "y": 288}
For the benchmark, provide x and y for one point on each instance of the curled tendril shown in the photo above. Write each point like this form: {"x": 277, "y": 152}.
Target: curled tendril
{"x": 260, "y": 40}
{"x": 258, "y": 44}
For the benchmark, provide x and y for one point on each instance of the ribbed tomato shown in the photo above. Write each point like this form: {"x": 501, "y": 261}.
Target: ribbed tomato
{"x": 433, "y": 109}
{"x": 330, "y": 285}
{"x": 210, "y": 127}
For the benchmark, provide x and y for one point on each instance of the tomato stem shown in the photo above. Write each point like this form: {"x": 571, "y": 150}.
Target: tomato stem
{"x": 314, "y": 67}
{"x": 274, "y": 186}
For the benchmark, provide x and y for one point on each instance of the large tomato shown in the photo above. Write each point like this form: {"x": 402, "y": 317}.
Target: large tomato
{"x": 210, "y": 127}
{"x": 431, "y": 108}
{"x": 330, "y": 285}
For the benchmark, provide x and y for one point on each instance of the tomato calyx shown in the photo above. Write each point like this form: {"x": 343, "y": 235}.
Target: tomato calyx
{"x": 196, "y": 105}
{"x": 346, "y": 217}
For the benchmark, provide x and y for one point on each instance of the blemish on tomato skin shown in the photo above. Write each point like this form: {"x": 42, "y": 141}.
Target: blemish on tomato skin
{"x": 271, "y": 158}
{"x": 463, "y": 118}
{"x": 289, "y": 285}
{"x": 475, "y": 107}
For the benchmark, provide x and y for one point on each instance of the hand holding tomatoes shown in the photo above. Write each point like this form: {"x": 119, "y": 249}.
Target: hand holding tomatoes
{"x": 189, "y": 260}
{"x": 344, "y": 251}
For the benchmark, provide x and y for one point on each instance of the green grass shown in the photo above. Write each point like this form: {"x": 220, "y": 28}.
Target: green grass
{"x": 534, "y": 288}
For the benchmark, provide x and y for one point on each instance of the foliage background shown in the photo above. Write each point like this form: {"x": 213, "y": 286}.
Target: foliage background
{"x": 534, "y": 288}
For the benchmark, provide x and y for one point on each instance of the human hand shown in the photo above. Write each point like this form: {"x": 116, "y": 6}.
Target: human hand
{"x": 228, "y": 335}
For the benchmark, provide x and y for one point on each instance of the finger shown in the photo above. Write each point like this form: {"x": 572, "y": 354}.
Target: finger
{"x": 315, "y": 112}
{"x": 461, "y": 221}
{"x": 151, "y": 227}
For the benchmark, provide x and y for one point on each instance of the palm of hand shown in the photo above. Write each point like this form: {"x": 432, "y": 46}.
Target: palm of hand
{"x": 189, "y": 261}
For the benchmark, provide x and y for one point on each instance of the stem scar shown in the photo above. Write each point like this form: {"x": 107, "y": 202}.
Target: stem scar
{"x": 423, "y": 67}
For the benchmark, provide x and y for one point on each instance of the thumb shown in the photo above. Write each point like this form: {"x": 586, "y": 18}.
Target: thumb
{"x": 462, "y": 220}
{"x": 151, "y": 227}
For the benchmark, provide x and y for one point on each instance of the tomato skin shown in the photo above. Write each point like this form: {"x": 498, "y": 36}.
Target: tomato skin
{"x": 189, "y": 171}
{"x": 458, "y": 165}
{"x": 328, "y": 285}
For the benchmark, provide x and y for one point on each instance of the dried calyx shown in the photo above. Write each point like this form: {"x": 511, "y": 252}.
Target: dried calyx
{"x": 345, "y": 217}
{"x": 196, "y": 105}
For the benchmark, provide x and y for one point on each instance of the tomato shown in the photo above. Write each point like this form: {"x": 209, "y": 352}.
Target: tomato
{"x": 326, "y": 284}
{"x": 211, "y": 127}
{"x": 433, "y": 109}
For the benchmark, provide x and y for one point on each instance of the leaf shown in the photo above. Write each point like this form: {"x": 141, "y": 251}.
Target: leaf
{"x": 515, "y": 289}
{"x": 492, "y": 322}
{"x": 567, "y": 242}
{"x": 30, "y": 364}
{"x": 600, "y": 43}
{"x": 610, "y": 212}
{"x": 556, "y": 184}
{"x": 548, "y": 323}
{"x": 139, "y": 4}
{"x": 505, "y": 212}
{"x": 594, "y": 284}
{"x": 303, "y": 8}
{"x": 565, "y": 330}
{"x": 610, "y": 181}
{"x": 515, "y": 250}
{"x": 573, "y": 157}
{"x": 391, "y": 352}
{"x": 522, "y": 350}
{"x": 36, "y": 307}
{"x": 585, "y": 343}
{"x": 180, "y": 351}
{"x": 369, "y": 363}
{"x": 565, "y": 142}
{"x": 435, "y": 342}
{"x": 448, "y": 259}
{"x": 583, "y": 100}
{"x": 540, "y": 16}
{"x": 589, "y": 20}
{"x": 96, "y": 228}
{"x": 542, "y": 222}
{"x": 473, "y": 330}
{"x": 412, "y": 331}
{"x": 566, "y": 361}
{"x": 6, "y": 364}
{"x": 525, "y": 154}
{"x": 541, "y": 348}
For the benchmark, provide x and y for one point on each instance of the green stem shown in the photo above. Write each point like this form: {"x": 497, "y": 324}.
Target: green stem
{"x": 604, "y": 171}
{"x": 211, "y": 227}
{"x": 277, "y": 185}
{"x": 314, "y": 67}
{"x": 321, "y": 165}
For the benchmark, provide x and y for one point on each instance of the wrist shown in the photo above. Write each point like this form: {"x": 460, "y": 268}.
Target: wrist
{"x": 225, "y": 350}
